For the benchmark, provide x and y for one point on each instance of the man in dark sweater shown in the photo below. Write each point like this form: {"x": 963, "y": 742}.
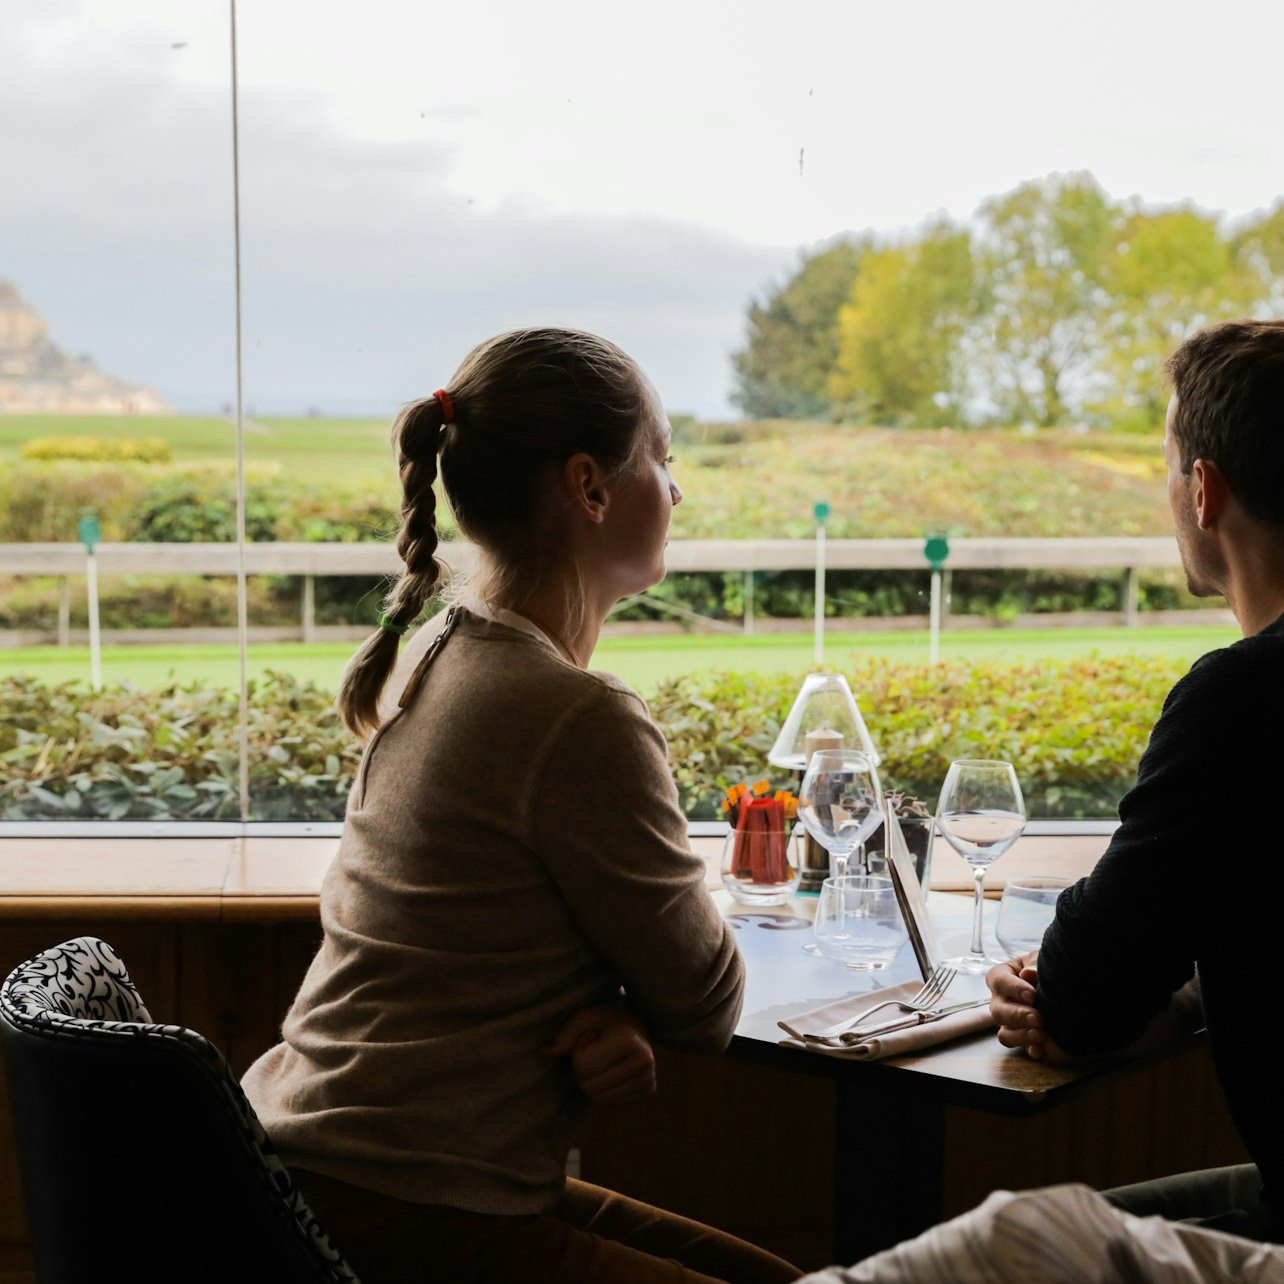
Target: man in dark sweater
{"x": 1178, "y": 922}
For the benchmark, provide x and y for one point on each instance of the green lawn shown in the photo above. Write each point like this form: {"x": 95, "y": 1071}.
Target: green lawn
{"x": 640, "y": 661}
{"x": 882, "y": 482}
{"x": 316, "y": 450}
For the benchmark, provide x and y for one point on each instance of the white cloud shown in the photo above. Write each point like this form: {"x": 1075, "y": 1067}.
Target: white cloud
{"x": 416, "y": 177}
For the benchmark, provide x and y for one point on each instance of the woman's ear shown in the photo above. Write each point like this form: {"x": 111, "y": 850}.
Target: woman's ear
{"x": 585, "y": 487}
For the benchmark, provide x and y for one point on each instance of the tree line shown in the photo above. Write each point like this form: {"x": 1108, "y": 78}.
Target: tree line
{"x": 1056, "y": 305}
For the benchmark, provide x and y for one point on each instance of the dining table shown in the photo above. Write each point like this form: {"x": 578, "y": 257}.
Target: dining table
{"x": 911, "y": 1139}
{"x": 891, "y": 1114}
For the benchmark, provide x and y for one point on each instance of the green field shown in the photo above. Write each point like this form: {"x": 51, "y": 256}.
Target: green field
{"x": 747, "y": 480}
{"x": 641, "y": 661}
{"x": 315, "y": 450}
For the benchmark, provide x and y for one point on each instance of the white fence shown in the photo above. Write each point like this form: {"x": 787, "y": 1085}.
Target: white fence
{"x": 66, "y": 561}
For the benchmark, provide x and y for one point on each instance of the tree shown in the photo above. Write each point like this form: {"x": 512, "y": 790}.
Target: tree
{"x": 1171, "y": 272}
{"x": 1044, "y": 250}
{"x": 1258, "y": 248}
{"x": 899, "y": 354}
{"x": 783, "y": 370}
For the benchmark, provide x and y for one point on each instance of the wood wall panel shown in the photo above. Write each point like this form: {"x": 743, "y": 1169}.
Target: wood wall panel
{"x": 744, "y": 1147}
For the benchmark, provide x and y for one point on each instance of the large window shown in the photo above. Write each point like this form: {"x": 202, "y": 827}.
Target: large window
{"x": 883, "y": 260}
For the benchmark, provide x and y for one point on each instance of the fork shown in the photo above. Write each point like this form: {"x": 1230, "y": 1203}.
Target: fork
{"x": 933, "y": 990}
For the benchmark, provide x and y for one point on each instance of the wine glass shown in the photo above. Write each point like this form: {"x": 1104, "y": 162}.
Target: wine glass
{"x": 981, "y": 813}
{"x": 858, "y": 922}
{"x": 840, "y": 805}
{"x": 1028, "y": 906}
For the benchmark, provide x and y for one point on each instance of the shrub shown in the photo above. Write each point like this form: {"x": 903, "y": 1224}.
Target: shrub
{"x": 142, "y": 450}
{"x": 121, "y": 754}
{"x": 41, "y": 502}
{"x": 195, "y": 508}
{"x": 1075, "y": 730}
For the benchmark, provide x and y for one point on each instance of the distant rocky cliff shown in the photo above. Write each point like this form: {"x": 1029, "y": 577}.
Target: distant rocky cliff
{"x": 36, "y": 375}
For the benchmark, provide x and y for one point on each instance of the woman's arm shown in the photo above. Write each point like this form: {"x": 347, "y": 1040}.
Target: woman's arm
{"x": 606, "y": 823}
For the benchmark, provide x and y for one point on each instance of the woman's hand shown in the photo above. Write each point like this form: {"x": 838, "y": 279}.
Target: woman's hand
{"x": 1013, "y": 1004}
{"x": 609, "y": 1053}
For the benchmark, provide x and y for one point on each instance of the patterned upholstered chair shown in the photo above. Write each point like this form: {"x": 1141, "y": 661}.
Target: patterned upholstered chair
{"x": 141, "y": 1158}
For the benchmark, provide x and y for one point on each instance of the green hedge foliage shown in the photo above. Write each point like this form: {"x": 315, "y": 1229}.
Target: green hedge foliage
{"x": 184, "y": 504}
{"x": 122, "y": 754}
{"x": 142, "y": 450}
{"x": 1075, "y": 729}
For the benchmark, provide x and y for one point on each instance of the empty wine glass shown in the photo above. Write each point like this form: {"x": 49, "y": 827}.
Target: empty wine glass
{"x": 840, "y": 805}
{"x": 1028, "y": 906}
{"x": 981, "y": 813}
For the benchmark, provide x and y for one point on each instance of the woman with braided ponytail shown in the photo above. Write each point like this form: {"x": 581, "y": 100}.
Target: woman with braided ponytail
{"x": 514, "y": 912}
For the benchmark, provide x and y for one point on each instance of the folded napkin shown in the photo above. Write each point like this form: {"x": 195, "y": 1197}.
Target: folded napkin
{"x": 899, "y": 1043}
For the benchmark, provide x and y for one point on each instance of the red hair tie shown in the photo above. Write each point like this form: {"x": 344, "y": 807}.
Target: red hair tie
{"x": 447, "y": 406}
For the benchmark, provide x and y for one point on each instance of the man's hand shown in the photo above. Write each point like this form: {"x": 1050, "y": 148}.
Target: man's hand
{"x": 1014, "y": 1005}
{"x": 609, "y": 1053}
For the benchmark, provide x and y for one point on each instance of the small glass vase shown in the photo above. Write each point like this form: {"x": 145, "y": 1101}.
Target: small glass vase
{"x": 760, "y": 867}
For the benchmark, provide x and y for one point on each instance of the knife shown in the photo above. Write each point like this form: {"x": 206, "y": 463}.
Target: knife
{"x": 861, "y": 1033}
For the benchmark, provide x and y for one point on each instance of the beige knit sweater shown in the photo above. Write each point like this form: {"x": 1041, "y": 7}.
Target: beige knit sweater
{"x": 513, "y": 851}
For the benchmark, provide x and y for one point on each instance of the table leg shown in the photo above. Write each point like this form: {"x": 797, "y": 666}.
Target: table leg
{"x": 889, "y": 1169}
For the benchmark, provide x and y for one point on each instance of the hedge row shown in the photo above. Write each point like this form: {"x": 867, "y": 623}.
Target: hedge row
{"x": 1075, "y": 729}
{"x": 185, "y": 504}
{"x": 142, "y": 450}
{"x": 187, "y": 601}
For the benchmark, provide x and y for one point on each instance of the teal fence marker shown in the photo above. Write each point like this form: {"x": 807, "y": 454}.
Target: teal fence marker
{"x": 936, "y": 550}
{"x": 89, "y": 530}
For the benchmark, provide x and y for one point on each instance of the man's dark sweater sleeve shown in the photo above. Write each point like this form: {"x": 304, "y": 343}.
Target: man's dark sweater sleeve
{"x": 1127, "y": 936}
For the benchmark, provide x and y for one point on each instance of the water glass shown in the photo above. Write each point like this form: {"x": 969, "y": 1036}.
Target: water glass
{"x": 1028, "y": 906}
{"x": 858, "y": 922}
{"x": 760, "y": 867}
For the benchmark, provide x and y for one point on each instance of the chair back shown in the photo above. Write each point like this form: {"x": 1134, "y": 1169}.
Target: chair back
{"x": 140, "y": 1157}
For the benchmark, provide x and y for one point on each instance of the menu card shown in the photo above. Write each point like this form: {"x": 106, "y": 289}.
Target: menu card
{"x": 909, "y": 893}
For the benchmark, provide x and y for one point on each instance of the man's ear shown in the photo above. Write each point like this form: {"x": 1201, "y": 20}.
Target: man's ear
{"x": 1209, "y": 493}
{"x": 585, "y": 487}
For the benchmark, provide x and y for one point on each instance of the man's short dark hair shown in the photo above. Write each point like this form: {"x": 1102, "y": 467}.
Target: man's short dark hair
{"x": 1229, "y": 381}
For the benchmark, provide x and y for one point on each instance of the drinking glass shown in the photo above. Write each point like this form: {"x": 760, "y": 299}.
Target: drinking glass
{"x": 981, "y": 813}
{"x": 1028, "y": 906}
{"x": 858, "y": 922}
{"x": 840, "y": 803}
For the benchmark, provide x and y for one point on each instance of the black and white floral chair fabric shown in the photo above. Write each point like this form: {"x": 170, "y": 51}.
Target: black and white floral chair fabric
{"x": 80, "y": 990}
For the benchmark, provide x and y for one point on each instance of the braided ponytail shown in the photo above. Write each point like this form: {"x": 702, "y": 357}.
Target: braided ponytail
{"x": 416, "y": 435}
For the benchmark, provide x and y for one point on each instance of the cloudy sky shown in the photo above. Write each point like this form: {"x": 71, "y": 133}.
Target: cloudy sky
{"x": 415, "y": 177}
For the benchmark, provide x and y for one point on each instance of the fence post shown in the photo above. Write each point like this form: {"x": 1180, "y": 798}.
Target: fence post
{"x": 309, "y": 621}
{"x": 1132, "y": 593}
{"x": 64, "y": 611}
{"x": 820, "y": 512}
{"x": 90, "y": 533}
{"x": 936, "y": 548}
